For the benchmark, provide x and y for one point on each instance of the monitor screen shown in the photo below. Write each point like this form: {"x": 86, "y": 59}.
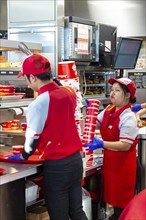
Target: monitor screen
{"x": 127, "y": 53}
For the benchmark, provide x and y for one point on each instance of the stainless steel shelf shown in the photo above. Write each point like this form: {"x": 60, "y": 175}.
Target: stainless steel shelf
{"x": 9, "y": 45}
{"x": 10, "y": 132}
{"x": 95, "y": 85}
{"x": 102, "y": 98}
{"x": 16, "y": 171}
{"x": 15, "y": 103}
{"x": 4, "y": 70}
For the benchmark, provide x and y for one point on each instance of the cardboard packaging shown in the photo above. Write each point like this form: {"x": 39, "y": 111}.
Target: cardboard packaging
{"x": 39, "y": 213}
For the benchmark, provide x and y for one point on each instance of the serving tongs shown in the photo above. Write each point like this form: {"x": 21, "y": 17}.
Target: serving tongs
{"x": 23, "y": 47}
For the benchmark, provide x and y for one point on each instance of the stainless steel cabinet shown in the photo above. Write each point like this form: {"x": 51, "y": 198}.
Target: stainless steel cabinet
{"x": 51, "y": 38}
{"x": 41, "y": 11}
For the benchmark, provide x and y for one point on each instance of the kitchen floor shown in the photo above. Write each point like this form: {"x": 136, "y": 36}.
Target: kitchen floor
{"x": 105, "y": 213}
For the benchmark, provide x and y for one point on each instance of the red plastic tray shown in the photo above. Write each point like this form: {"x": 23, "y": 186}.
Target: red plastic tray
{"x": 33, "y": 159}
{"x": 2, "y": 171}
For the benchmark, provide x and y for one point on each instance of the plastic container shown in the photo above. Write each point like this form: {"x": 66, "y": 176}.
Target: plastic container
{"x": 23, "y": 126}
{"x": 31, "y": 191}
{"x": 15, "y": 124}
{"x": 6, "y": 125}
{"x": 17, "y": 149}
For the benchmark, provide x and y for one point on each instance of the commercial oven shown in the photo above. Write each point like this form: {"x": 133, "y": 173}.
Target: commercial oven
{"x": 78, "y": 39}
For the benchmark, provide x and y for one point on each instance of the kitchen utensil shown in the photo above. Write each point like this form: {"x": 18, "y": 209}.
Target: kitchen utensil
{"x": 23, "y": 47}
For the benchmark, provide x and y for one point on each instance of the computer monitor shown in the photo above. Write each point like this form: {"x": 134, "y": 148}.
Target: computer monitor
{"x": 127, "y": 53}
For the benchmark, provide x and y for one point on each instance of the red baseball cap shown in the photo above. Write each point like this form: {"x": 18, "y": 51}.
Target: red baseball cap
{"x": 127, "y": 82}
{"x": 35, "y": 64}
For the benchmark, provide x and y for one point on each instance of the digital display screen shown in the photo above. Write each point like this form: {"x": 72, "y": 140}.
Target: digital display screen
{"x": 127, "y": 53}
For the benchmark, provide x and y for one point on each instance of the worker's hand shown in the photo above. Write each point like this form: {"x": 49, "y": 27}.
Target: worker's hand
{"x": 95, "y": 144}
{"x": 16, "y": 157}
{"x": 136, "y": 107}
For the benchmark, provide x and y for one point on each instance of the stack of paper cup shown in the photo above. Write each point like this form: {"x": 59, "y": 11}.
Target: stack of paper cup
{"x": 67, "y": 70}
{"x": 67, "y": 75}
{"x": 89, "y": 128}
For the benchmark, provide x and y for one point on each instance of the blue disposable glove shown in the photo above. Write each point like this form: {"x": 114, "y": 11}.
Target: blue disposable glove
{"x": 95, "y": 144}
{"x": 15, "y": 157}
{"x": 136, "y": 107}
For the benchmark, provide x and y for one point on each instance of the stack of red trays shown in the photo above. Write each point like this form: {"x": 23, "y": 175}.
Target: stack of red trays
{"x": 6, "y": 90}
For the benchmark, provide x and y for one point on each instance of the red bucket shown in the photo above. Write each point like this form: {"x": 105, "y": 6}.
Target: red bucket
{"x": 67, "y": 70}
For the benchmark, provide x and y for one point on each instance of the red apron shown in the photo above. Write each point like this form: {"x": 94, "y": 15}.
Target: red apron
{"x": 119, "y": 167}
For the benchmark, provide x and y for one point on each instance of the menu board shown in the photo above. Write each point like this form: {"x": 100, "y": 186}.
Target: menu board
{"x": 139, "y": 78}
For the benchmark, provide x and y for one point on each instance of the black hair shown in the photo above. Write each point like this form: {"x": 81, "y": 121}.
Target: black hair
{"x": 125, "y": 90}
{"x": 57, "y": 82}
{"x": 43, "y": 76}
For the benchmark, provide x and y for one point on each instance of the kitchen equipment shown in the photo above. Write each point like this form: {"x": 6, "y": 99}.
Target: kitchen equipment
{"x": 23, "y": 47}
{"x": 142, "y": 155}
{"x": 139, "y": 78}
{"x": 79, "y": 43}
{"x": 86, "y": 202}
{"x": 106, "y": 38}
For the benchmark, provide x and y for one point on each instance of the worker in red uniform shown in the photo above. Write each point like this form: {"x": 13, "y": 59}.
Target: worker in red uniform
{"x": 118, "y": 128}
{"x": 52, "y": 130}
{"x": 140, "y": 110}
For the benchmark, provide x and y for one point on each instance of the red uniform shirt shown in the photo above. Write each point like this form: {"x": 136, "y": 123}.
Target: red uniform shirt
{"x": 51, "y": 120}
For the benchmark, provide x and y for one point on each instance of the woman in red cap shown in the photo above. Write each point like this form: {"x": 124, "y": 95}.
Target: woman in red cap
{"x": 118, "y": 128}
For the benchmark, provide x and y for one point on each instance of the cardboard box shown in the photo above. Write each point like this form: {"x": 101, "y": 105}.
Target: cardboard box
{"x": 39, "y": 213}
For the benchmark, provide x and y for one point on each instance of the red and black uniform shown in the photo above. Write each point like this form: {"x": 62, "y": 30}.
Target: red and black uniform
{"x": 51, "y": 128}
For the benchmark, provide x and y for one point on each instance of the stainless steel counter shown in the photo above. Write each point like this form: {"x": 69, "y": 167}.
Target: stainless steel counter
{"x": 12, "y": 187}
{"x": 92, "y": 170}
{"x": 15, "y": 171}
{"x": 142, "y": 132}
